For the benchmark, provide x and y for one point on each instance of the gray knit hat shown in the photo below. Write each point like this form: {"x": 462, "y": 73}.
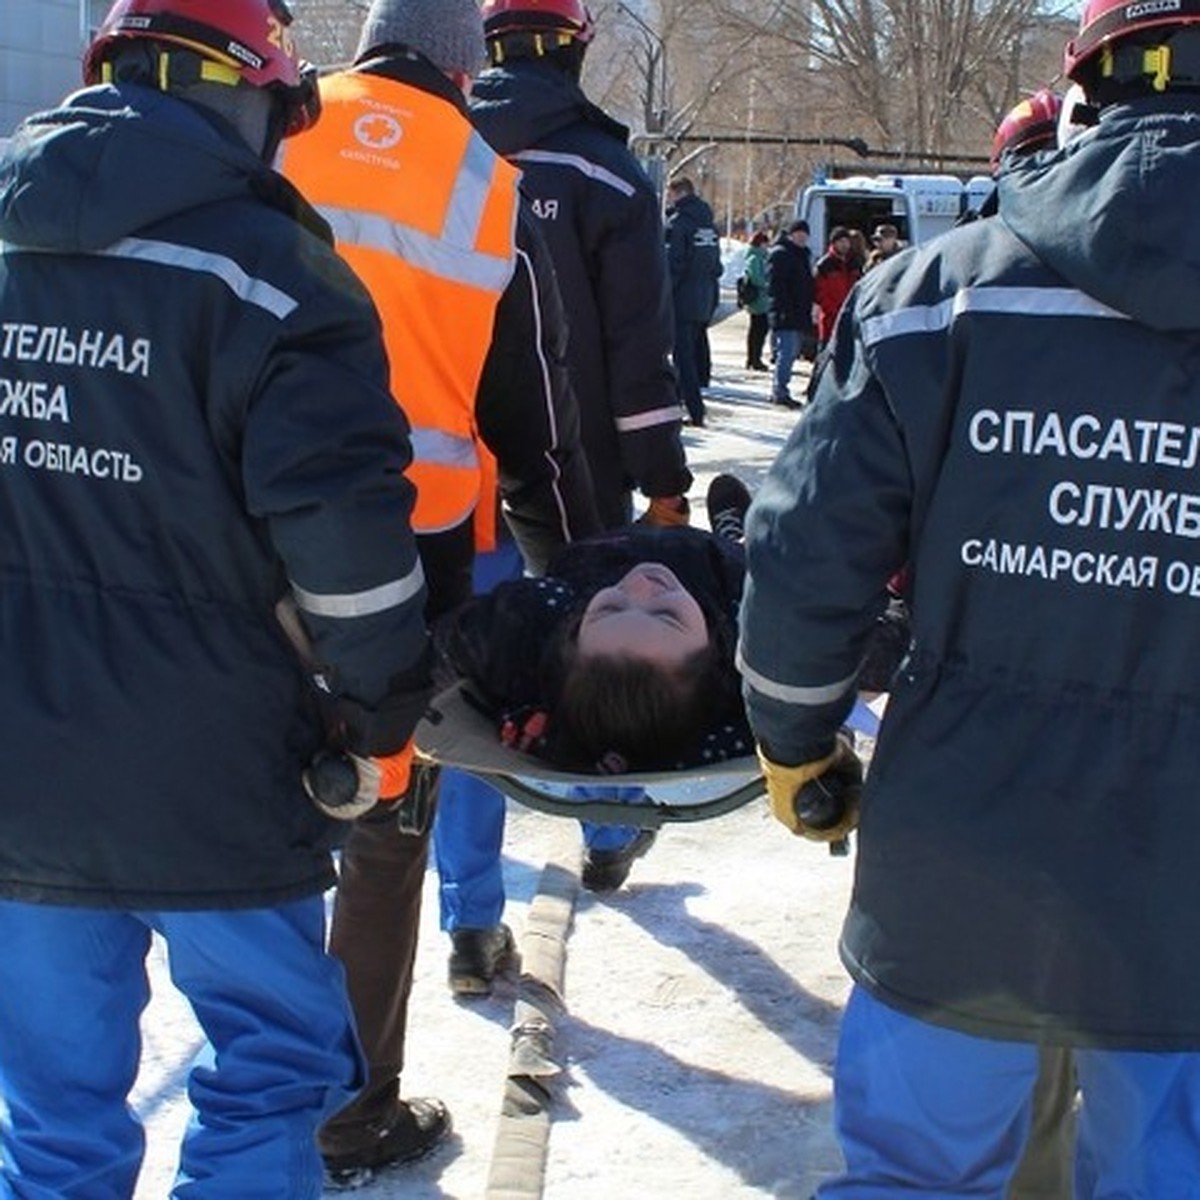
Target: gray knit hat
{"x": 447, "y": 32}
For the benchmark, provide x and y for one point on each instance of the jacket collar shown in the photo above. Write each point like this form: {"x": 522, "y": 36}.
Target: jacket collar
{"x": 409, "y": 67}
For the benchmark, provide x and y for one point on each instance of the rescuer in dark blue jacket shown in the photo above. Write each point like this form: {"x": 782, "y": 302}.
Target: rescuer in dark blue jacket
{"x": 694, "y": 261}
{"x": 602, "y": 223}
{"x": 195, "y": 426}
{"x": 1012, "y": 411}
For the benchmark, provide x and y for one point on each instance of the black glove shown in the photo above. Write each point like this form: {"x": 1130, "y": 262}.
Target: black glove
{"x": 384, "y": 728}
{"x": 886, "y": 647}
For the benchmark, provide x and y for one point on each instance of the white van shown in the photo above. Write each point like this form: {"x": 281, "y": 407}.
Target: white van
{"x": 920, "y": 206}
{"x": 979, "y": 188}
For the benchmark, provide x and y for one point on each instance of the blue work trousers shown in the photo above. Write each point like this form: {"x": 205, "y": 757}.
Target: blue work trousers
{"x": 691, "y": 349}
{"x": 923, "y": 1111}
{"x": 281, "y": 1056}
{"x": 787, "y": 350}
{"x": 468, "y": 835}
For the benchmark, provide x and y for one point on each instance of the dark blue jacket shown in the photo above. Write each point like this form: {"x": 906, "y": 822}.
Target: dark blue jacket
{"x": 194, "y": 423}
{"x": 789, "y": 285}
{"x": 1014, "y": 410}
{"x": 601, "y": 220}
{"x": 694, "y": 259}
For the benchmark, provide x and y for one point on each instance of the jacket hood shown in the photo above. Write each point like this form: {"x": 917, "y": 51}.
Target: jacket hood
{"x": 519, "y": 105}
{"x": 111, "y": 161}
{"x": 1110, "y": 212}
{"x": 694, "y": 209}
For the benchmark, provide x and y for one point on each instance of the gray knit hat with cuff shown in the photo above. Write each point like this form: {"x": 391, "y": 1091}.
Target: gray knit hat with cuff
{"x": 447, "y": 32}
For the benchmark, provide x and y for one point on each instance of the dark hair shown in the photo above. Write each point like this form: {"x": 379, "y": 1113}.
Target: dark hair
{"x": 798, "y": 227}
{"x": 683, "y": 185}
{"x": 759, "y": 239}
{"x": 626, "y": 713}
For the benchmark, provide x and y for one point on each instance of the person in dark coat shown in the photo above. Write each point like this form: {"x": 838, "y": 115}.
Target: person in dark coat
{"x": 1008, "y": 410}
{"x": 694, "y": 260}
{"x": 209, "y": 577}
{"x": 498, "y": 377}
{"x": 790, "y": 311}
{"x": 601, "y": 220}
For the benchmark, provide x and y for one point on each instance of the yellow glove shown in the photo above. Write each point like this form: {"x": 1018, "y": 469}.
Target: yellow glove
{"x": 817, "y": 800}
{"x": 666, "y": 511}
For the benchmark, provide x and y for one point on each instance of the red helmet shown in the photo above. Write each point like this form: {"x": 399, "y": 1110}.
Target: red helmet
{"x": 1108, "y": 21}
{"x": 538, "y": 16}
{"x": 250, "y": 38}
{"x": 1030, "y": 125}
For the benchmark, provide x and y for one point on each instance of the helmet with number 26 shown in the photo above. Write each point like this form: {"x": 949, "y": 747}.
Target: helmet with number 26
{"x": 219, "y": 41}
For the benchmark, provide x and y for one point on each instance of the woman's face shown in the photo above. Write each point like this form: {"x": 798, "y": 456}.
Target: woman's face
{"x": 648, "y": 614}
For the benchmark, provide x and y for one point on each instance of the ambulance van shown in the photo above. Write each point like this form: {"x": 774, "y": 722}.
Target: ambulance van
{"x": 920, "y": 206}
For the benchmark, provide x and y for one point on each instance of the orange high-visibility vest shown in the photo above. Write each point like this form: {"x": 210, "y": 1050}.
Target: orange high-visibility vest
{"x": 425, "y": 213}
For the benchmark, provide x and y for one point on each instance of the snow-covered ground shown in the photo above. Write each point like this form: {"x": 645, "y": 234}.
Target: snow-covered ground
{"x": 702, "y": 999}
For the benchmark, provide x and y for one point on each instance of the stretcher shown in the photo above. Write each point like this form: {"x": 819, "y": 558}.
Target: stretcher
{"x": 456, "y": 731}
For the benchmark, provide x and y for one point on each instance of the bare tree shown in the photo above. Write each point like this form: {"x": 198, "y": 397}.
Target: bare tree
{"x": 704, "y": 84}
{"x": 918, "y": 75}
{"x": 327, "y": 30}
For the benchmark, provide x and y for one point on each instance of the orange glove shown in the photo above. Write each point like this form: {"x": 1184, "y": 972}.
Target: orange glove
{"x": 382, "y": 780}
{"x": 666, "y": 511}
{"x": 393, "y": 773}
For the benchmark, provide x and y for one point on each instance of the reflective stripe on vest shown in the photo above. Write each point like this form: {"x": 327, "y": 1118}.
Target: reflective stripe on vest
{"x": 425, "y": 213}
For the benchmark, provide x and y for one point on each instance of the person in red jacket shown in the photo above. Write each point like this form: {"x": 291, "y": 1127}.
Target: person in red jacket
{"x": 835, "y": 274}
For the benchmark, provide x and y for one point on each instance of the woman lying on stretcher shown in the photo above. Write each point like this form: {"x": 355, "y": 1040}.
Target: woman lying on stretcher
{"x": 621, "y": 657}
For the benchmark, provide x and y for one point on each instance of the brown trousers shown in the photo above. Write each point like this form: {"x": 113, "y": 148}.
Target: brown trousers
{"x": 376, "y": 917}
{"x": 377, "y": 909}
{"x": 1047, "y": 1167}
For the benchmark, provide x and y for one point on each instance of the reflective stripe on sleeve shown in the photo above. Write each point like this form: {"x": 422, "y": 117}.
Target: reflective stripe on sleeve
{"x": 648, "y": 419}
{"x": 169, "y": 254}
{"x": 361, "y": 604}
{"x": 1021, "y": 301}
{"x": 577, "y": 163}
{"x": 791, "y": 693}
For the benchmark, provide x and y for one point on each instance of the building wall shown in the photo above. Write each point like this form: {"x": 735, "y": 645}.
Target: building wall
{"x": 41, "y": 43}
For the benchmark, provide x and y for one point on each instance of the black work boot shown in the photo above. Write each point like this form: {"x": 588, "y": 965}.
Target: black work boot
{"x": 412, "y": 1130}
{"x": 477, "y": 957}
{"x": 606, "y": 870}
